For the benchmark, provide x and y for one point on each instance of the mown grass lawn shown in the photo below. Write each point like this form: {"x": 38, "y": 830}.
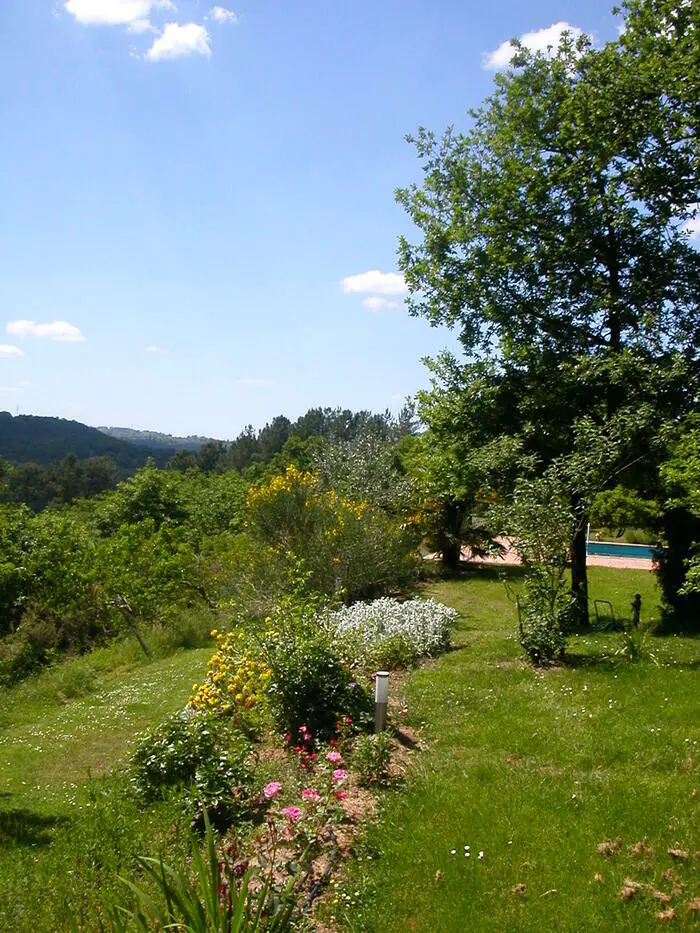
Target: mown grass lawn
{"x": 65, "y": 824}
{"x": 534, "y": 769}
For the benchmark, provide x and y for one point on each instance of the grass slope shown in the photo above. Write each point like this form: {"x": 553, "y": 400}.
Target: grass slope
{"x": 65, "y": 824}
{"x": 535, "y": 769}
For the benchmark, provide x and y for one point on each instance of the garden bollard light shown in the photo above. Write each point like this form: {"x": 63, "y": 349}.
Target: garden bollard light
{"x": 381, "y": 695}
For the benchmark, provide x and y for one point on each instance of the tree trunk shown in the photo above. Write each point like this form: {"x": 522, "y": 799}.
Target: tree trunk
{"x": 579, "y": 574}
{"x": 449, "y": 539}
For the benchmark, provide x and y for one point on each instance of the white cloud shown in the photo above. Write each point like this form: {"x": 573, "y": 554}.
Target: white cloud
{"x": 7, "y": 351}
{"x": 12, "y": 390}
{"x": 539, "y": 40}
{"x": 159, "y": 350}
{"x": 177, "y": 41}
{"x": 56, "y": 330}
{"x": 385, "y": 283}
{"x": 140, "y": 25}
{"x": 247, "y": 381}
{"x": 376, "y": 303}
{"x": 221, "y": 15}
{"x": 114, "y": 12}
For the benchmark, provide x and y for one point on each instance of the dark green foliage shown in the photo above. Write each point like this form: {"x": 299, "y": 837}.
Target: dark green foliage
{"x": 680, "y": 528}
{"x": 312, "y": 685}
{"x": 48, "y": 440}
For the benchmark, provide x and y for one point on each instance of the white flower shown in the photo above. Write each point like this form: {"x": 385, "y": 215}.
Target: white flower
{"x": 424, "y": 623}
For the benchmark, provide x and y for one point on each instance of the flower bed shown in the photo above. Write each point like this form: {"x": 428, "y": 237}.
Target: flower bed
{"x": 400, "y": 632}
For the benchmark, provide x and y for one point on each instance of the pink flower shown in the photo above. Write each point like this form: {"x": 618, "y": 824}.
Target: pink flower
{"x": 339, "y": 775}
{"x": 310, "y": 794}
{"x": 334, "y": 756}
{"x": 292, "y": 813}
{"x": 272, "y": 789}
{"x": 341, "y": 794}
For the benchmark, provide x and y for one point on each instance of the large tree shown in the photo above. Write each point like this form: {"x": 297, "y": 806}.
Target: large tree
{"x": 553, "y": 239}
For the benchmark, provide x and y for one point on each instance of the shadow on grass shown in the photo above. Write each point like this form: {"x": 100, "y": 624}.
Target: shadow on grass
{"x": 22, "y": 827}
{"x": 603, "y": 662}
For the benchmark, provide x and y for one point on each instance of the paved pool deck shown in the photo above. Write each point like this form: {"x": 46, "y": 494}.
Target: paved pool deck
{"x": 510, "y": 557}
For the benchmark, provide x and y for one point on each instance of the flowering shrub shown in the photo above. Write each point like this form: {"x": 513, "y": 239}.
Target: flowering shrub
{"x": 305, "y": 826}
{"x": 197, "y": 753}
{"x": 312, "y": 685}
{"x": 394, "y": 632}
{"x": 346, "y": 544}
{"x": 235, "y": 682}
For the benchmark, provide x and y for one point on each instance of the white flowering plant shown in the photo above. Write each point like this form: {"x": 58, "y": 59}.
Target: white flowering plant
{"x": 392, "y": 633}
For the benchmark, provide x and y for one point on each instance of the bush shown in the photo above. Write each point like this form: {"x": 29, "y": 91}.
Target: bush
{"x": 543, "y": 626}
{"x": 198, "y": 754}
{"x": 390, "y": 633}
{"x": 30, "y": 648}
{"x": 312, "y": 684}
{"x": 345, "y": 544}
{"x": 371, "y": 758}
{"x": 235, "y": 683}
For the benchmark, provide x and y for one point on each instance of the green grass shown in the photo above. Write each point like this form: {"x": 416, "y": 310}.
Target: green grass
{"x": 535, "y": 769}
{"x": 67, "y": 825}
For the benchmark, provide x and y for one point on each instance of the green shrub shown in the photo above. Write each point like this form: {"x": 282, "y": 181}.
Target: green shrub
{"x": 543, "y": 626}
{"x": 30, "y": 648}
{"x": 312, "y": 684}
{"x": 198, "y": 753}
{"x": 371, "y": 757}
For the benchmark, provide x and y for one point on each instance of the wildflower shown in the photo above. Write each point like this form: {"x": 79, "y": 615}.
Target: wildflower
{"x": 339, "y": 775}
{"x": 348, "y": 720}
{"x": 333, "y": 756}
{"x": 292, "y": 813}
{"x": 310, "y": 794}
{"x": 341, "y": 794}
{"x": 272, "y": 789}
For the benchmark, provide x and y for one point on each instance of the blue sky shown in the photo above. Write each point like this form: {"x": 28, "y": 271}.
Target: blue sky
{"x": 198, "y": 221}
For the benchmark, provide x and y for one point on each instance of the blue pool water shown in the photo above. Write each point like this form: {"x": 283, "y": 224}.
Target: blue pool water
{"x": 611, "y": 549}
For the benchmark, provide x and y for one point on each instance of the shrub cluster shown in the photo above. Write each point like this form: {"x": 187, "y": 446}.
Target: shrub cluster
{"x": 392, "y": 633}
{"x": 198, "y": 754}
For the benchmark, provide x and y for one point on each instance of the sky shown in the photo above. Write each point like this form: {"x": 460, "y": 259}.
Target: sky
{"x": 198, "y": 228}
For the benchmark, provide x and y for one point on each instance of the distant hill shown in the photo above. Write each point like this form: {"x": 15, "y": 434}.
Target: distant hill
{"x": 156, "y": 439}
{"x": 31, "y": 438}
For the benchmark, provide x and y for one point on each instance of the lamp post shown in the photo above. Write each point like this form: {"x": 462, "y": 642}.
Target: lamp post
{"x": 381, "y": 695}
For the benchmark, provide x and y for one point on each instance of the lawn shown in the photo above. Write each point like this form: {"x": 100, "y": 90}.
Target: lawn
{"x": 65, "y": 824}
{"x": 535, "y": 769}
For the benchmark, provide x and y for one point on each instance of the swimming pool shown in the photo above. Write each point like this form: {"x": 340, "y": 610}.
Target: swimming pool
{"x": 611, "y": 549}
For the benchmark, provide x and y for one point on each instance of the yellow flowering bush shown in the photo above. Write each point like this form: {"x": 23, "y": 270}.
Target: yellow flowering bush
{"x": 235, "y": 682}
{"x": 346, "y": 545}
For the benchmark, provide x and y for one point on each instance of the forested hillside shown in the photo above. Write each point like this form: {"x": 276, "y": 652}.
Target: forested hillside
{"x": 155, "y": 439}
{"x": 31, "y": 438}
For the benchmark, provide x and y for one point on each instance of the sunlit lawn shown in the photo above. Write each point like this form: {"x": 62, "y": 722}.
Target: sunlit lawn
{"x": 535, "y": 769}
{"x": 64, "y": 822}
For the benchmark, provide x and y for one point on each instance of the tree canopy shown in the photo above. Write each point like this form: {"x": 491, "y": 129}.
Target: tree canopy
{"x": 553, "y": 239}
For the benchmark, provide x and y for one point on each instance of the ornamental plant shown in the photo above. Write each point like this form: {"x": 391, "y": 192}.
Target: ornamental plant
{"x": 235, "y": 682}
{"x": 312, "y": 684}
{"x": 198, "y": 754}
{"x": 390, "y": 633}
{"x": 348, "y": 546}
